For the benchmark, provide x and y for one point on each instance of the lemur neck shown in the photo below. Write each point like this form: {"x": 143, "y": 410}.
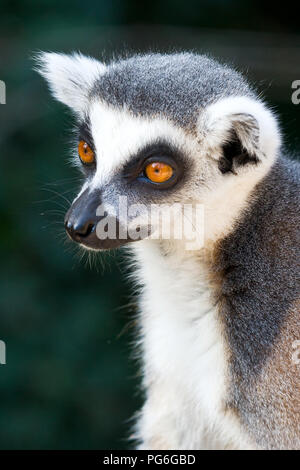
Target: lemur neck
{"x": 224, "y": 206}
{"x": 171, "y": 277}
{"x": 178, "y": 324}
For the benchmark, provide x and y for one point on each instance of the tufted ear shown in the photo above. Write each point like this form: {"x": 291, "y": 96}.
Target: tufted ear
{"x": 239, "y": 131}
{"x": 70, "y": 77}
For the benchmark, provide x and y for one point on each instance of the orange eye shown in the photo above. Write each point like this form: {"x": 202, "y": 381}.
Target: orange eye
{"x": 158, "y": 172}
{"x": 85, "y": 152}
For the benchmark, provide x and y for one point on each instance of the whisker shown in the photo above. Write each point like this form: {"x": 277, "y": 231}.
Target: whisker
{"x": 57, "y": 194}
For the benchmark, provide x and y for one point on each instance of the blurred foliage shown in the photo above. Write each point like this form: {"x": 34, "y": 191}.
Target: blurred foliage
{"x": 69, "y": 381}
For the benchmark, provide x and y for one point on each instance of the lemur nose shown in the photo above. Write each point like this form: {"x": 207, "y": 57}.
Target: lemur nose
{"x": 81, "y": 223}
{"x": 81, "y": 219}
{"x": 81, "y": 229}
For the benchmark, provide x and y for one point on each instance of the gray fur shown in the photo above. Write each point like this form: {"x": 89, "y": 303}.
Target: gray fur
{"x": 260, "y": 262}
{"x": 175, "y": 85}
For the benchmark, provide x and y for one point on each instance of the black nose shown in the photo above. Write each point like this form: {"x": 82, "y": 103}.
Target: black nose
{"x": 81, "y": 223}
{"x": 81, "y": 229}
{"x": 81, "y": 218}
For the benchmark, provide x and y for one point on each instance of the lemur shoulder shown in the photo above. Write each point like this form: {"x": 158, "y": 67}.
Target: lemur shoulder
{"x": 217, "y": 324}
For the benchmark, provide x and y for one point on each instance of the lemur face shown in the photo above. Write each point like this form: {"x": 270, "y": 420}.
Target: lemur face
{"x": 152, "y": 130}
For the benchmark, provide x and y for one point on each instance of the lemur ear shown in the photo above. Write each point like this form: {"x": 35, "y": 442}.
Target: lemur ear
{"x": 239, "y": 131}
{"x": 70, "y": 77}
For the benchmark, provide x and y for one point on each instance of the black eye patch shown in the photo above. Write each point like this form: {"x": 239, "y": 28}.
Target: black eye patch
{"x": 158, "y": 152}
{"x": 84, "y": 133}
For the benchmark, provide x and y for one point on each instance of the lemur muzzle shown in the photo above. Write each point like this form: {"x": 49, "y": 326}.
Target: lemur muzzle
{"x": 81, "y": 223}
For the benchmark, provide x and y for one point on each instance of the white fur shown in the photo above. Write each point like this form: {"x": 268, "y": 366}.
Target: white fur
{"x": 70, "y": 77}
{"x": 224, "y": 205}
{"x": 220, "y": 117}
{"x": 118, "y": 136}
{"x": 184, "y": 357}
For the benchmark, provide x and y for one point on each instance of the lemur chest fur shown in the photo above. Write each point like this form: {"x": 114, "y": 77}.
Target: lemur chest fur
{"x": 184, "y": 358}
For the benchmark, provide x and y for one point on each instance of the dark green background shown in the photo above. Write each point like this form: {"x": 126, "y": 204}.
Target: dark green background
{"x": 69, "y": 381}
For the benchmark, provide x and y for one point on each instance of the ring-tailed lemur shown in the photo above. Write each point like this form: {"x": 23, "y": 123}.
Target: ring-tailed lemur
{"x": 217, "y": 324}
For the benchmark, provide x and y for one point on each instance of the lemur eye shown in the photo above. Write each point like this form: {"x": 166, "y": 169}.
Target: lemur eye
{"x": 158, "y": 172}
{"x": 85, "y": 152}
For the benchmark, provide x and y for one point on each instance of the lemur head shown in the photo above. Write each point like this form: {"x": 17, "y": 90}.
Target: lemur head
{"x": 160, "y": 129}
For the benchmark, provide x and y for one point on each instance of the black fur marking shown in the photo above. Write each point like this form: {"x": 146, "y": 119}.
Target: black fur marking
{"x": 158, "y": 151}
{"x": 84, "y": 133}
{"x": 234, "y": 155}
